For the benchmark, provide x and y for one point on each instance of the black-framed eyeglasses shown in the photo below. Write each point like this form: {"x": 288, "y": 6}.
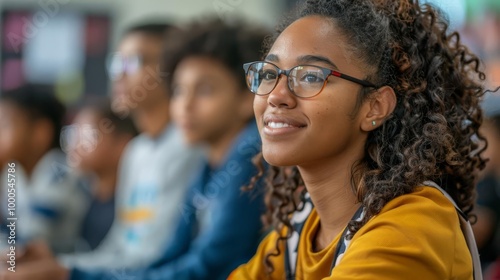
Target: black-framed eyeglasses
{"x": 303, "y": 80}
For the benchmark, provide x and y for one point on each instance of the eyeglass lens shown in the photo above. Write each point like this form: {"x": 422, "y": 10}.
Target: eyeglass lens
{"x": 303, "y": 81}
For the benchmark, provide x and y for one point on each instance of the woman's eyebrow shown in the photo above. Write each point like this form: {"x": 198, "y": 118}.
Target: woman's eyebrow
{"x": 305, "y": 59}
{"x": 315, "y": 58}
{"x": 272, "y": 57}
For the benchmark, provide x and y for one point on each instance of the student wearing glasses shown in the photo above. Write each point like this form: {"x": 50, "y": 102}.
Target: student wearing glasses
{"x": 376, "y": 106}
{"x": 220, "y": 225}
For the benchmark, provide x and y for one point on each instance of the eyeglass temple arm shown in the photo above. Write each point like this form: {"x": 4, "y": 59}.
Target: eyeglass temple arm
{"x": 352, "y": 79}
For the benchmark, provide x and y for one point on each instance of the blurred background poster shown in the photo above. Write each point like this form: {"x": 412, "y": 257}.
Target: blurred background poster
{"x": 68, "y": 51}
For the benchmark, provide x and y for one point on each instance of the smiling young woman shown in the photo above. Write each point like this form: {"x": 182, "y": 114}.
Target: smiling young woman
{"x": 371, "y": 105}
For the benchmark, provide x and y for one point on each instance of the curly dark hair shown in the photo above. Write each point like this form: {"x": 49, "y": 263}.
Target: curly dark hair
{"x": 432, "y": 133}
{"x": 230, "y": 44}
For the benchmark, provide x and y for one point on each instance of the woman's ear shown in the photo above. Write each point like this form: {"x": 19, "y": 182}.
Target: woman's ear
{"x": 381, "y": 104}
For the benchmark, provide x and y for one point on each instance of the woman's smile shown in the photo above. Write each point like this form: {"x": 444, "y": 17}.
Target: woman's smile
{"x": 276, "y": 125}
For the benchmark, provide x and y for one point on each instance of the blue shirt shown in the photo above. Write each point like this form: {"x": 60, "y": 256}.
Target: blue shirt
{"x": 97, "y": 222}
{"x": 219, "y": 226}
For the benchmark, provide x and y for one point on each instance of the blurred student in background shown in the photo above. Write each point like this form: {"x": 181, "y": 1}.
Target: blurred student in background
{"x": 156, "y": 166}
{"x": 220, "y": 225}
{"x": 49, "y": 203}
{"x": 154, "y": 171}
{"x": 95, "y": 143}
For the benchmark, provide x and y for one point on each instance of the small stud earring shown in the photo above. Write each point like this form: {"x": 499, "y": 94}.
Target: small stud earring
{"x": 374, "y": 123}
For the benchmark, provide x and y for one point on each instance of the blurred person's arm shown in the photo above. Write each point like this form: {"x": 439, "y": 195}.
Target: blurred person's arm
{"x": 178, "y": 245}
{"x": 57, "y": 214}
{"x": 99, "y": 257}
{"x": 112, "y": 254}
{"x": 42, "y": 270}
{"x": 109, "y": 247}
{"x": 51, "y": 204}
{"x": 38, "y": 263}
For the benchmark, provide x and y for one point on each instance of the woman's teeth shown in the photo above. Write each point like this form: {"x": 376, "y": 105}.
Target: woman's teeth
{"x": 277, "y": 125}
